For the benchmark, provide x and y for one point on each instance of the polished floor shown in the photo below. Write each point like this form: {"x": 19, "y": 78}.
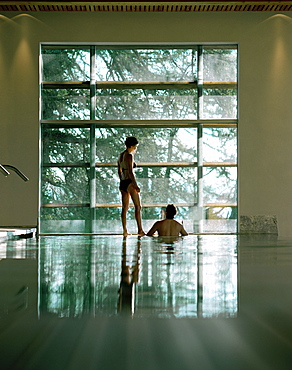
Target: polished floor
{"x": 108, "y": 302}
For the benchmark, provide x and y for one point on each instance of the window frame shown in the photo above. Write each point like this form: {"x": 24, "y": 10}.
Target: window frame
{"x": 200, "y": 123}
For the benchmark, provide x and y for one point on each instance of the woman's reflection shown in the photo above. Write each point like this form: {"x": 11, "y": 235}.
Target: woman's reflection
{"x": 129, "y": 278}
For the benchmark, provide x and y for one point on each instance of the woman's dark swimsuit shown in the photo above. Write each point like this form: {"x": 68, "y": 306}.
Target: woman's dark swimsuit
{"x": 125, "y": 183}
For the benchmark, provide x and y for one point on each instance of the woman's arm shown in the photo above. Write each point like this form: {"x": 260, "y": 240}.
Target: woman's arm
{"x": 119, "y": 167}
{"x": 129, "y": 161}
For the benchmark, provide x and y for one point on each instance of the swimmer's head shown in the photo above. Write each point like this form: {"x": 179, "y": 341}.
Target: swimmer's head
{"x": 170, "y": 211}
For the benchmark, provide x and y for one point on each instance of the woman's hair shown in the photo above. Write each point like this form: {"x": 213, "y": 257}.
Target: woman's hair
{"x": 131, "y": 141}
{"x": 170, "y": 211}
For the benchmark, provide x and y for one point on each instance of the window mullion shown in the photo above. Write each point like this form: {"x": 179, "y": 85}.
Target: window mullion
{"x": 200, "y": 141}
{"x": 92, "y": 175}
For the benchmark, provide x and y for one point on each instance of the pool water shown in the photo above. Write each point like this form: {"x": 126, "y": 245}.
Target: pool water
{"x": 146, "y": 277}
{"x": 108, "y": 302}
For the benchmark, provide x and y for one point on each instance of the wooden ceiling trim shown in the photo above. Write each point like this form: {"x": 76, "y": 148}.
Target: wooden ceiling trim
{"x": 144, "y": 6}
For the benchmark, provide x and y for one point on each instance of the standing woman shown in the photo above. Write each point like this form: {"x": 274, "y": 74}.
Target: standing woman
{"x": 128, "y": 184}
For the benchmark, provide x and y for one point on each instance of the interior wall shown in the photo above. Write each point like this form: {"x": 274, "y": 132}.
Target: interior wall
{"x": 265, "y": 80}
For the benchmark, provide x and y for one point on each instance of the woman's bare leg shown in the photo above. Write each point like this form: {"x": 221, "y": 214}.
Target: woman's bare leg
{"x": 137, "y": 203}
{"x": 125, "y": 207}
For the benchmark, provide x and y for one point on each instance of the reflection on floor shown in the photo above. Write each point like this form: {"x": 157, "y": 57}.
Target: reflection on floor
{"x": 202, "y": 302}
{"x": 145, "y": 277}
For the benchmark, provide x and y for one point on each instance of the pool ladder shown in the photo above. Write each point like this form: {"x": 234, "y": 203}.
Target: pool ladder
{"x": 4, "y": 170}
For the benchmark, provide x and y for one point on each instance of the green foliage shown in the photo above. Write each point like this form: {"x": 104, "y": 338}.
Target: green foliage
{"x": 160, "y": 64}
{"x": 68, "y": 64}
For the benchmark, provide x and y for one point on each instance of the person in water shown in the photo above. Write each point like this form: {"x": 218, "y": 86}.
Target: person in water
{"x": 169, "y": 226}
{"x": 128, "y": 184}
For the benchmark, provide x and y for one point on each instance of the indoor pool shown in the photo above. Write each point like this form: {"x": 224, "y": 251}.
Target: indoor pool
{"x": 108, "y": 302}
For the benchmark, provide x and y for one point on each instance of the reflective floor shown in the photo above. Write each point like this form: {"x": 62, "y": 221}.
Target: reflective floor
{"x": 108, "y": 302}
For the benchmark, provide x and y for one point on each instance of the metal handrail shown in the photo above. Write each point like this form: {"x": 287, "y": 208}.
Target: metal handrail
{"x": 5, "y": 172}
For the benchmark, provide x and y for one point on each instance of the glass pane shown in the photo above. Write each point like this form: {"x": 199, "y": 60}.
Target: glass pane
{"x": 65, "y": 104}
{"x": 156, "y": 145}
{"x": 148, "y": 65}
{"x": 167, "y": 185}
{"x": 108, "y": 219}
{"x": 70, "y": 64}
{"x": 65, "y": 145}
{"x": 146, "y": 104}
{"x": 217, "y": 213}
{"x": 220, "y": 184}
{"x": 219, "y": 64}
{"x": 65, "y": 220}
{"x": 168, "y": 145}
{"x": 220, "y": 145}
{"x": 107, "y": 185}
{"x": 219, "y": 103}
{"x": 65, "y": 185}
{"x": 220, "y": 219}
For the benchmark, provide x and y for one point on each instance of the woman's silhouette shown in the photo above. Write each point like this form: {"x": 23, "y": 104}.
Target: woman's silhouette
{"x": 128, "y": 184}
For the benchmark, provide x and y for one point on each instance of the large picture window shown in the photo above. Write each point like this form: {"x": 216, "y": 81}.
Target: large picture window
{"x": 181, "y": 104}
